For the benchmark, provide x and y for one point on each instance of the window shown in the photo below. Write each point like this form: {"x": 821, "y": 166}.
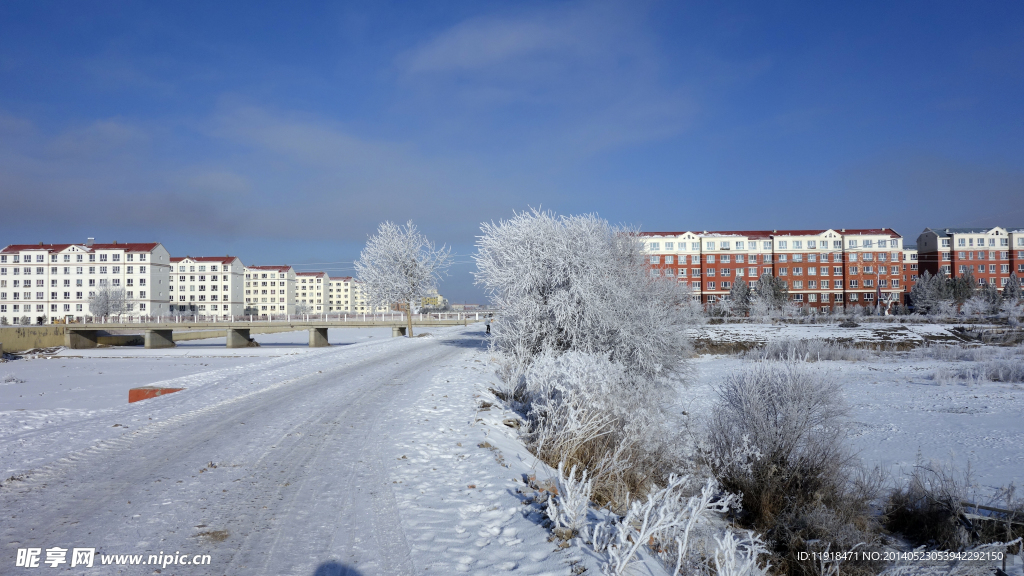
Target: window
{"x": 782, "y": 244}
{"x": 798, "y": 285}
{"x": 752, "y": 272}
{"x": 854, "y": 284}
{"x": 710, "y": 271}
{"x": 103, "y": 257}
{"x": 711, "y": 285}
{"x": 782, "y": 257}
{"x": 824, "y": 286}
{"x": 945, "y": 242}
{"x": 655, "y": 246}
{"x": 711, "y": 259}
{"x": 783, "y": 271}
{"x": 670, "y": 245}
{"x": 798, "y": 257}
{"x": 709, "y": 246}
{"x": 668, "y": 260}
{"x": 740, "y": 246}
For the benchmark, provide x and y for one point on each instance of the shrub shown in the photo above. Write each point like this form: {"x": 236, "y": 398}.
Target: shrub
{"x": 928, "y": 507}
{"x": 585, "y": 411}
{"x": 776, "y": 436}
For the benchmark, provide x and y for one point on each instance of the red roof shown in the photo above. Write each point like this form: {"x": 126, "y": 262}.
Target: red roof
{"x": 324, "y": 274}
{"x": 129, "y": 247}
{"x": 872, "y": 231}
{"x": 223, "y": 259}
{"x": 274, "y": 268}
{"x": 342, "y": 278}
{"x": 47, "y": 247}
{"x": 770, "y": 233}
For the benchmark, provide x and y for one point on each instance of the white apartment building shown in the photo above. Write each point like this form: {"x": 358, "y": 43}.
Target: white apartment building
{"x": 44, "y": 283}
{"x": 345, "y": 294}
{"x": 311, "y": 289}
{"x": 269, "y": 290}
{"x": 206, "y": 286}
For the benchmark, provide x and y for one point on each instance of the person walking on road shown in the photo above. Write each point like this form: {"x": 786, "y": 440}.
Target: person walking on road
{"x": 487, "y": 323}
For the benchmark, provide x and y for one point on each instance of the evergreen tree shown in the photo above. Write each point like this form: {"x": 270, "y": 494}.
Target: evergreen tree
{"x": 772, "y": 291}
{"x": 963, "y": 288}
{"x": 1012, "y": 291}
{"x": 739, "y": 295}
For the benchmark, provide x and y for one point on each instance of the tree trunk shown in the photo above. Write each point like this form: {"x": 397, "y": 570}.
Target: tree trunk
{"x": 410, "y": 319}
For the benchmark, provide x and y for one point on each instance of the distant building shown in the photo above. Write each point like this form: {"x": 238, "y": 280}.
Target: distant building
{"x": 346, "y": 295}
{"x": 206, "y": 286}
{"x": 910, "y": 269}
{"x": 269, "y": 290}
{"x": 45, "y": 283}
{"x": 989, "y": 254}
{"x": 821, "y": 268}
{"x": 310, "y": 291}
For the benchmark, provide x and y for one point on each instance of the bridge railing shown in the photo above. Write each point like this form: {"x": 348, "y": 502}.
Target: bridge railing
{"x": 136, "y": 319}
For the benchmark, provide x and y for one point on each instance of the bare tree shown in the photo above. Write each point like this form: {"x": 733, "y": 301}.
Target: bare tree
{"x": 108, "y": 302}
{"x": 400, "y": 265}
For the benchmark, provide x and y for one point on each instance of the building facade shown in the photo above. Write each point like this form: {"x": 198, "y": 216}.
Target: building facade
{"x": 311, "y": 289}
{"x": 823, "y": 269}
{"x": 989, "y": 254}
{"x": 206, "y": 286}
{"x": 269, "y": 290}
{"x": 345, "y": 294}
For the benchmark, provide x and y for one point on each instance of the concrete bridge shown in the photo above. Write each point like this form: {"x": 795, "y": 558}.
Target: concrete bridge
{"x": 238, "y": 333}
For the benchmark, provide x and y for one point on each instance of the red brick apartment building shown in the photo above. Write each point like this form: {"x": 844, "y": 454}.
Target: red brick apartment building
{"x": 990, "y": 254}
{"x": 821, "y": 268}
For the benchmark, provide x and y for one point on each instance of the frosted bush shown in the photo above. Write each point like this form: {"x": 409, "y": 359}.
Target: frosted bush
{"x": 567, "y": 510}
{"x": 568, "y": 283}
{"x": 585, "y": 410}
{"x": 777, "y": 437}
{"x": 739, "y": 555}
{"x": 666, "y": 517}
{"x": 11, "y": 379}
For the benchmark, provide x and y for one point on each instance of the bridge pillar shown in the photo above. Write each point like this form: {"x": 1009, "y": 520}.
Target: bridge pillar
{"x": 79, "y": 339}
{"x": 238, "y": 337}
{"x": 318, "y": 337}
{"x": 397, "y": 331}
{"x": 159, "y": 339}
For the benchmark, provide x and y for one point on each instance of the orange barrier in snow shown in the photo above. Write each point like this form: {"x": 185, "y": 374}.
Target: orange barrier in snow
{"x": 146, "y": 392}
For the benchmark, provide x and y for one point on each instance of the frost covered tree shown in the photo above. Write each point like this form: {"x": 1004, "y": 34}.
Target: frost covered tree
{"x": 986, "y": 300}
{"x": 963, "y": 288}
{"x": 740, "y": 296}
{"x": 1012, "y": 291}
{"x": 399, "y": 264}
{"x": 930, "y": 293}
{"x": 108, "y": 302}
{"x": 771, "y": 293}
{"x": 578, "y": 283}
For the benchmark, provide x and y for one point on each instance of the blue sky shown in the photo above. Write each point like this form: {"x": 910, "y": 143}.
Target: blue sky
{"x": 285, "y": 134}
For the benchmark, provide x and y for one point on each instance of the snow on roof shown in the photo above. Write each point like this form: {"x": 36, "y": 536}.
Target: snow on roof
{"x": 322, "y": 274}
{"x": 342, "y": 278}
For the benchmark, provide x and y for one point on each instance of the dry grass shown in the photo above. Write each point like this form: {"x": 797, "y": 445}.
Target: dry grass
{"x": 777, "y": 437}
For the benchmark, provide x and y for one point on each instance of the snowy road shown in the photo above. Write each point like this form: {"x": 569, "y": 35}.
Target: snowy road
{"x": 276, "y": 480}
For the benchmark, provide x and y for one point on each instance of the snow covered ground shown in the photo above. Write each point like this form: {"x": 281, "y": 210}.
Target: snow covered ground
{"x": 101, "y": 377}
{"x": 898, "y": 409}
{"x": 374, "y": 458}
{"x": 383, "y": 456}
